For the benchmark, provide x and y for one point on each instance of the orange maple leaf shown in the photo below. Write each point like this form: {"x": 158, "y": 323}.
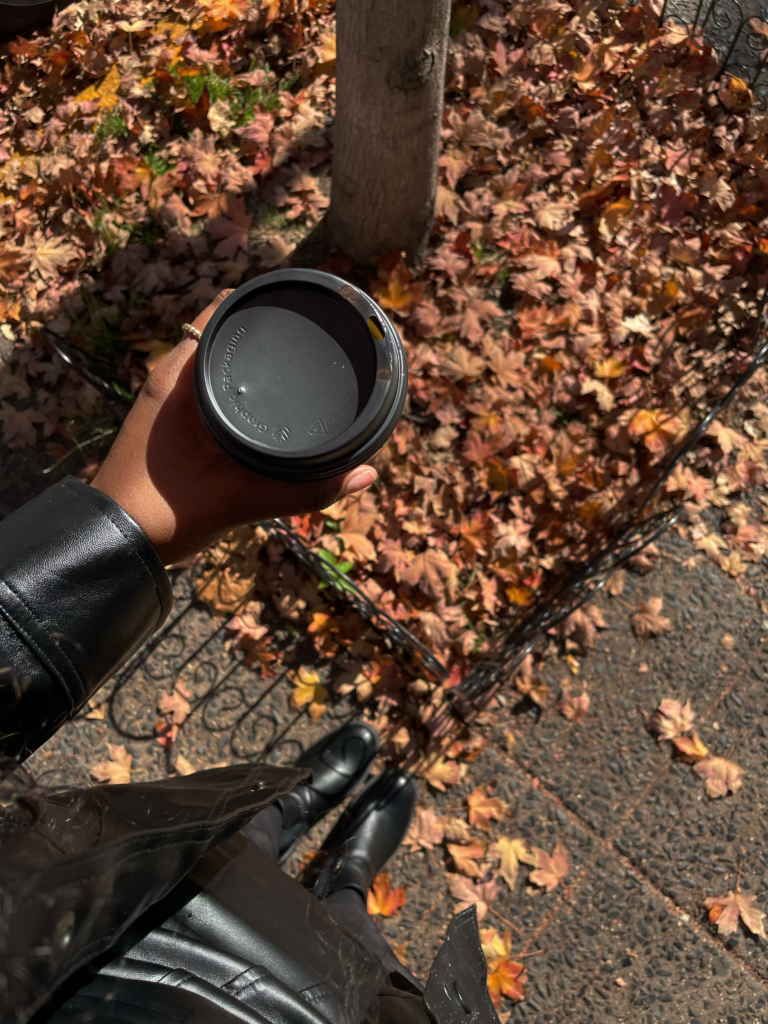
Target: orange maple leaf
{"x": 383, "y": 900}
{"x": 656, "y": 427}
{"x": 691, "y": 748}
{"x": 394, "y": 289}
{"x": 505, "y": 976}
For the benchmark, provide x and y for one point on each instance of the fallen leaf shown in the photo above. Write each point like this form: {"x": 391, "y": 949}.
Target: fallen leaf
{"x": 552, "y": 868}
{"x": 457, "y": 830}
{"x": 175, "y": 705}
{"x": 720, "y": 775}
{"x": 510, "y": 853}
{"x": 691, "y": 748}
{"x": 182, "y": 766}
{"x": 426, "y": 830}
{"x": 401, "y": 952}
{"x": 574, "y": 708}
{"x": 647, "y": 621}
{"x": 711, "y": 545}
{"x": 616, "y": 583}
{"x": 724, "y": 911}
{"x": 117, "y": 770}
{"x": 307, "y": 689}
{"x": 96, "y": 711}
{"x": 274, "y": 252}
{"x": 483, "y": 807}
{"x": 465, "y": 858}
{"x": 224, "y": 591}
{"x": 506, "y": 977}
{"x": 383, "y": 900}
{"x": 480, "y": 894}
{"x": 232, "y": 230}
{"x": 672, "y": 719}
{"x": 46, "y": 255}
{"x": 440, "y": 773}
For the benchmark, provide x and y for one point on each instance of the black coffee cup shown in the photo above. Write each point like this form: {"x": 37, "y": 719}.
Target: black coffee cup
{"x": 299, "y": 375}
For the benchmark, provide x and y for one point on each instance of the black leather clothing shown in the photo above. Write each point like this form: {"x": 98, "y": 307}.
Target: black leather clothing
{"x": 81, "y": 588}
{"x": 140, "y": 904}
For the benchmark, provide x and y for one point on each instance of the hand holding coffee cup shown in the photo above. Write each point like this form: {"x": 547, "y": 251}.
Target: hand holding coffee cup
{"x": 180, "y": 470}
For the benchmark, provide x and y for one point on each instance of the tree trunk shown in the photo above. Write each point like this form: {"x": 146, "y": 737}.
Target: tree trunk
{"x": 390, "y": 75}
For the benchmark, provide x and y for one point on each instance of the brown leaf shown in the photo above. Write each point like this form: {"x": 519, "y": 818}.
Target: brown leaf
{"x": 726, "y": 910}
{"x": 429, "y": 570}
{"x": 616, "y": 583}
{"x": 672, "y": 719}
{"x": 480, "y": 894}
{"x": 483, "y": 807}
{"x": 426, "y": 830}
{"x": 224, "y": 591}
{"x": 457, "y": 830}
{"x": 465, "y": 857}
{"x": 647, "y": 621}
{"x": 182, "y": 766}
{"x": 720, "y": 775}
{"x": 117, "y": 770}
{"x": 552, "y": 868}
{"x": 462, "y": 364}
{"x": 574, "y": 708}
{"x": 175, "y": 705}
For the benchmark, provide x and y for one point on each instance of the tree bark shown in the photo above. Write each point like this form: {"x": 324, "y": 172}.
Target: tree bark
{"x": 390, "y": 76}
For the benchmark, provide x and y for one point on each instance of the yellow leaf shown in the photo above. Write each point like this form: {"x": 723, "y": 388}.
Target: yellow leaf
{"x": 308, "y": 690}
{"x": 105, "y": 91}
{"x": 510, "y": 854}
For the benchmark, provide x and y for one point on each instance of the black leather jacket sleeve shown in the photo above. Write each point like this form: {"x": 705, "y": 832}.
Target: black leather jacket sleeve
{"x": 81, "y": 588}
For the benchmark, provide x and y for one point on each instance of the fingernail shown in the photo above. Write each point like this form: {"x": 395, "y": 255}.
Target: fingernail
{"x": 360, "y": 479}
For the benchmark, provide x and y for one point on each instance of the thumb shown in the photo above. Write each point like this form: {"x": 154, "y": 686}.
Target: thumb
{"x": 357, "y": 480}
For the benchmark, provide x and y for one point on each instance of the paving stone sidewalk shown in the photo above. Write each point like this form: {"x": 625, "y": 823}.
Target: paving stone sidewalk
{"x": 627, "y": 937}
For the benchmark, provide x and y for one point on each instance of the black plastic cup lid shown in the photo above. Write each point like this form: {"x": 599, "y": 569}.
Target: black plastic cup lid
{"x": 299, "y": 375}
